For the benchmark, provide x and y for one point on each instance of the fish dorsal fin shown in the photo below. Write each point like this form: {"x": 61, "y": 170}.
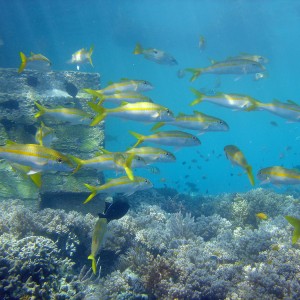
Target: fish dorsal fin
{"x": 275, "y": 101}
{"x": 198, "y": 113}
{"x": 180, "y": 114}
{"x": 99, "y": 153}
{"x": 104, "y": 151}
{"x": 110, "y": 82}
{"x": 124, "y": 79}
{"x": 123, "y": 103}
{"x": 292, "y": 102}
{"x": 9, "y": 142}
{"x": 157, "y": 126}
{"x": 219, "y": 94}
{"x": 31, "y": 53}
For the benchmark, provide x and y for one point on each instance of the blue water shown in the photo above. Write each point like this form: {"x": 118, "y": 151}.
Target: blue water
{"x": 268, "y": 28}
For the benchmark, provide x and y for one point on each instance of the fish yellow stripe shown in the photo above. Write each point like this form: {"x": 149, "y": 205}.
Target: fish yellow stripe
{"x": 27, "y": 153}
{"x": 284, "y": 175}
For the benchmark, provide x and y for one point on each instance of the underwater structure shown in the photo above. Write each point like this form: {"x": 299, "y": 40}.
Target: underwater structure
{"x": 19, "y": 92}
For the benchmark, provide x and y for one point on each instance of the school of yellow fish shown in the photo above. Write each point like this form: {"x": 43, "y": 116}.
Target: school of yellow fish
{"x": 33, "y": 159}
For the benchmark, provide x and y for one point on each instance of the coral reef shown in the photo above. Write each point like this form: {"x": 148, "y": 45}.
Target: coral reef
{"x": 215, "y": 248}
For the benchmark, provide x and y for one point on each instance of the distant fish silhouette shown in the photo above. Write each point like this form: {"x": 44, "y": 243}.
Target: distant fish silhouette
{"x": 71, "y": 89}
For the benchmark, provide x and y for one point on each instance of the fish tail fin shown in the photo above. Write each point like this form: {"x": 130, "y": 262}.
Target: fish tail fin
{"x": 157, "y": 126}
{"x": 196, "y": 73}
{"x": 127, "y": 166}
{"x": 94, "y": 93}
{"x": 101, "y": 113}
{"x": 199, "y": 96}
{"x": 254, "y": 105}
{"x": 94, "y": 265}
{"x": 250, "y": 174}
{"x": 90, "y": 55}
{"x": 120, "y": 160}
{"x": 79, "y": 162}
{"x": 92, "y": 195}
{"x": 42, "y": 110}
{"x": 138, "y": 49}
{"x": 296, "y": 224}
{"x": 140, "y": 138}
{"x": 23, "y": 62}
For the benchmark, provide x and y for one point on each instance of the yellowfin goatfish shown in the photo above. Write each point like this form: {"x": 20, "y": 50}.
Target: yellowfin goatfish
{"x": 38, "y": 157}
{"x": 82, "y": 56}
{"x": 237, "y": 66}
{"x": 235, "y": 155}
{"x": 118, "y": 98}
{"x": 140, "y": 111}
{"x": 151, "y": 154}
{"x": 257, "y": 58}
{"x": 169, "y": 138}
{"x": 279, "y": 175}
{"x": 120, "y": 185}
{"x": 296, "y": 224}
{"x": 45, "y": 135}
{"x": 233, "y": 101}
{"x": 73, "y": 116}
{"x": 124, "y": 86}
{"x": 97, "y": 240}
{"x": 112, "y": 211}
{"x": 262, "y": 216}
{"x": 34, "y": 61}
{"x": 111, "y": 161}
{"x": 198, "y": 121}
{"x": 289, "y": 110}
{"x": 158, "y": 56}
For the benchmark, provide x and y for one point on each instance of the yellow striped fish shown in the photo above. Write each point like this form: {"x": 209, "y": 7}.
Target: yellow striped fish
{"x": 38, "y": 157}
{"x": 119, "y": 185}
{"x": 235, "y": 155}
{"x": 279, "y": 175}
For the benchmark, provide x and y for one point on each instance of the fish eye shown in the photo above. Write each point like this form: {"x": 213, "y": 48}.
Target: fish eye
{"x": 145, "y": 82}
{"x": 155, "y": 51}
{"x": 167, "y": 153}
{"x": 194, "y": 138}
{"x": 59, "y": 160}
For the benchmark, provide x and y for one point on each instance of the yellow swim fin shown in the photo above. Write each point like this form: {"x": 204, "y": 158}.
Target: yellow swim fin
{"x": 138, "y": 49}
{"x": 250, "y": 174}
{"x": 90, "y": 55}
{"x": 296, "y": 224}
{"x": 23, "y": 62}
{"x": 94, "y": 265}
